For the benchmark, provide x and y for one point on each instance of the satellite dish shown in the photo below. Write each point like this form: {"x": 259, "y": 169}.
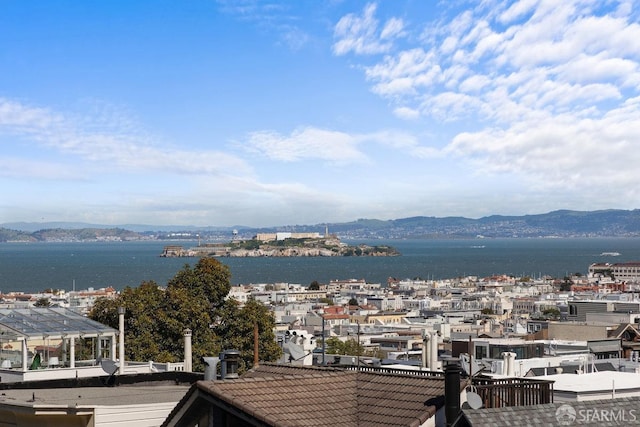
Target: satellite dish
{"x": 474, "y": 400}
{"x": 109, "y": 366}
{"x": 295, "y": 351}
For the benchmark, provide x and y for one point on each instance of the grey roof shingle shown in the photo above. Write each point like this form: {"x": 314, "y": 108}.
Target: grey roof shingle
{"x": 605, "y": 413}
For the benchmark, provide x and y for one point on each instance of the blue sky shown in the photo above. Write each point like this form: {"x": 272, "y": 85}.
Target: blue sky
{"x": 266, "y": 113}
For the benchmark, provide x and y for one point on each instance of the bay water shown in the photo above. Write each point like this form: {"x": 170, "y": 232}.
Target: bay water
{"x": 33, "y": 267}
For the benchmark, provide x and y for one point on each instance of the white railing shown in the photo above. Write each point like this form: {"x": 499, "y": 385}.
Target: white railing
{"x": 84, "y": 369}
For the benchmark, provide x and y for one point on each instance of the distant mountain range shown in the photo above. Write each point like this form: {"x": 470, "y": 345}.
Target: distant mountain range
{"x": 562, "y": 223}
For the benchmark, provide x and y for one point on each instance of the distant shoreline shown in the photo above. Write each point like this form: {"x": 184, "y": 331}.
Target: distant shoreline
{"x": 611, "y": 223}
{"x": 307, "y": 249}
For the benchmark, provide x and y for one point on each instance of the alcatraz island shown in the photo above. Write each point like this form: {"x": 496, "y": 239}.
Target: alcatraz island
{"x": 282, "y": 244}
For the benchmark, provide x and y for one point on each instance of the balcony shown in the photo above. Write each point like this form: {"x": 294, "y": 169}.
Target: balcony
{"x": 500, "y": 393}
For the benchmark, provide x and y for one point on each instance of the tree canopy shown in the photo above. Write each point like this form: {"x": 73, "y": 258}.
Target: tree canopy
{"x": 42, "y": 302}
{"x": 349, "y": 347}
{"x": 195, "y": 298}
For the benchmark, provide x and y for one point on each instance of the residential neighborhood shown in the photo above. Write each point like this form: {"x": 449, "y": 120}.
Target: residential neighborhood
{"x": 512, "y": 342}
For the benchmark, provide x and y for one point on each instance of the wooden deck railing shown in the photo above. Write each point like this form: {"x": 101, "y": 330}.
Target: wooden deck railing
{"x": 495, "y": 392}
{"x": 499, "y": 393}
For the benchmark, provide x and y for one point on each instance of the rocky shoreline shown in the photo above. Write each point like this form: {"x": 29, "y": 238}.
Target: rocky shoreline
{"x": 278, "y": 251}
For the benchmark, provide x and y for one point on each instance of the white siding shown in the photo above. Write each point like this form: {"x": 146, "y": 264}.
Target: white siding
{"x": 149, "y": 415}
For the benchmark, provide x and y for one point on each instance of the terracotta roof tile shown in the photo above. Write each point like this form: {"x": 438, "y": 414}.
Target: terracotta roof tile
{"x": 284, "y": 395}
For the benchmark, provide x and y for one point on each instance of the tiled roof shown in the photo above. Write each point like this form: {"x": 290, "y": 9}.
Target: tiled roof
{"x": 297, "y": 396}
{"x": 605, "y": 413}
{"x": 310, "y": 400}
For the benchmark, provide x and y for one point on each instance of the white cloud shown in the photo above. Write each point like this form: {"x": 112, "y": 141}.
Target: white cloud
{"x": 106, "y": 144}
{"x": 517, "y": 10}
{"x": 561, "y": 151}
{"x": 475, "y": 83}
{"x": 450, "y": 106}
{"x": 307, "y": 143}
{"x": 407, "y": 113}
{"x": 404, "y": 74}
{"x": 584, "y": 69}
{"x": 271, "y": 17}
{"x": 335, "y": 147}
{"x": 392, "y": 29}
{"x": 15, "y": 117}
{"x": 545, "y": 82}
{"x": 359, "y": 33}
{"x": 16, "y": 167}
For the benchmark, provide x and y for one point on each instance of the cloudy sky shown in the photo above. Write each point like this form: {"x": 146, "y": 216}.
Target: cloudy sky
{"x": 266, "y": 113}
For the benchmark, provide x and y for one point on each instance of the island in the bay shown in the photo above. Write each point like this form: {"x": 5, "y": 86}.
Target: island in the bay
{"x": 283, "y": 244}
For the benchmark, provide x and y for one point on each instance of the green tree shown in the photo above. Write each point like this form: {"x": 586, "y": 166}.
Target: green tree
{"x": 235, "y": 327}
{"x": 566, "y": 284}
{"x": 42, "y": 302}
{"x": 353, "y": 301}
{"x": 209, "y": 280}
{"x": 551, "y": 313}
{"x": 353, "y": 347}
{"x": 145, "y": 311}
{"x": 334, "y": 346}
{"x": 349, "y": 347}
{"x": 195, "y": 298}
{"x": 314, "y": 286}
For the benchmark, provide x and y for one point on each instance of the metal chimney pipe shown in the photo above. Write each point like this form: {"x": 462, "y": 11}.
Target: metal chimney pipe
{"x": 121, "y": 311}
{"x": 211, "y": 368}
{"x": 188, "y": 357}
{"x": 452, "y": 392}
{"x": 232, "y": 358}
{"x": 223, "y": 365}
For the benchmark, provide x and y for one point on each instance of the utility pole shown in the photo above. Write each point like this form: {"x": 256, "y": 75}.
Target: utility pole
{"x": 358, "y": 368}
{"x": 324, "y": 342}
{"x": 256, "y": 356}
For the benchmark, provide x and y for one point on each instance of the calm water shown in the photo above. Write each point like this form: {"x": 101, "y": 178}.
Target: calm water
{"x": 37, "y": 266}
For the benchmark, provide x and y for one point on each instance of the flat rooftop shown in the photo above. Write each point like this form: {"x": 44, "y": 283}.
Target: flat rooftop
{"x": 94, "y": 396}
{"x": 594, "y": 382}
